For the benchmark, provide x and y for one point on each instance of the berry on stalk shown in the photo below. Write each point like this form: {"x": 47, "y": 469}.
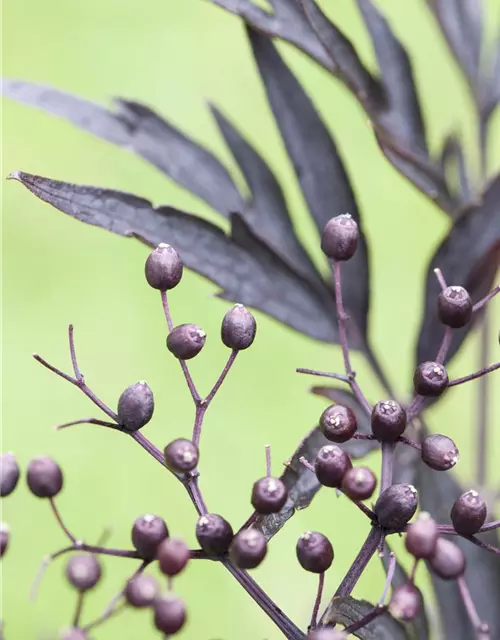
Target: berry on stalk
{"x": 448, "y": 560}
{"x": 141, "y": 591}
{"x": 331, "y": 465}
{"x": 83, "y": 571}
{"x": 248, "y": 548}
{"x": 421, "y": 536}
{"x": 439, "y": 452}
{"x": 340, "y": 238}
{"x": 338, "y": 423}
{"x": 388, "y": 420}
{"x": 163, "y": 268}
{"x": 269, "y": 495}
{"x": 214, "y": 534}
{"x": 136, "y": 406}
{"x": 44, "y": 477}
{"x": 181, "y": 455}
{"x": 454, "y": 307}
{"x": 359, "y": 483}
{"x": 314, "y": 552}
{"x": 238, "y": 328}
{"x": 468, "y": 513}
{"x": 169, "y": 613}
{"x": 173, "y": 556}
{"x": 147, "y": 533}
{"x": 186, "y": 341}
{"x": 430, "y": 379}
{"x": 9, "y": 474}
{"x": 396, "y": 506}
{"x": 406, "y": 602}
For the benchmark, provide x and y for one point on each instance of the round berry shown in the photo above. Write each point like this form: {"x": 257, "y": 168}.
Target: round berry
{"x": 9, "y": 474}
{"x": 238, "y": 328}
{"x": 186, "y": 341}
{"x": 173, "y": 556}
{"x": 439, "y": 452}
{"x": 214, "y": 534}
{"x": 338, "y": 423}
{"x": 136, "y": 406}
{"x": 388, "y": 420}
{"x": 44, "y": 477}
{"x": 326, "y": 634}
{"x": 430, "y": 379}
{"x": 269, "y": 495}
{"x": 396, "y": 506}
{"x": 4, "y": 538}
{"x": 406, "y": 602}
{"x": 83, "y": 571}
{"x": 169, "y": 613}
{"x": 340, "y": 238}
{"x": 141, "y": 591}
{"x": 454, "y": 307}
{"x": 421, "y": 536}
{"x": 468, "y": 513}
{"x": 248, "y": 548}
{"x": 147, "y": 533}
{"x": 448, "y": 560}
{"x": 181, "y": 455}
{"x": 359, "y": 483}
{"x": 331, "y": 465}
{"x": 314, "y": 552}
{"x": 163, "y": 268}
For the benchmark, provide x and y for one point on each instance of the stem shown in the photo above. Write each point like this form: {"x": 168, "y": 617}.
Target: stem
{"x": 148, "y": 446}
{"x": 325, "y": 374}
{"x": 481, "y": 628}
{"x": 317, "y": 601}
{"x": 102, "y": 423}
{"x": 482, "y": 405}
{"x": 198, "y": 422}
{"x": 268, "y": 460}
{"x": 79, "y": 607}
{"x": 387, "y": 465}
{"x": 377, "y": 611}
{"x": 481, "y": 303}
{"x": 221, "y": 378}
{"x": 477, "y": 374}
{"x": 409, "y": 443}
{"x": 388, "y": 580}
{"x": 72, "y": 351}
{"x": 60, "y": 521}
{"x": 445, "y": 345}
{"x": 440, "y": 278}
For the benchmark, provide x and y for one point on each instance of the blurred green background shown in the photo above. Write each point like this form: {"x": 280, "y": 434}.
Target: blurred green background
{"x": 175, "y": 56}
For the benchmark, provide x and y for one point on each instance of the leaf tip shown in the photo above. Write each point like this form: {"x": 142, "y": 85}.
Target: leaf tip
{"x": 15, "y": 175}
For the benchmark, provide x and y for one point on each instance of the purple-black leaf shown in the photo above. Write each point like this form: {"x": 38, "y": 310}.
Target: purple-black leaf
{"x": 139, "y": 129}
{"x": 253, "y": 276}
{"x": 454, "y": 169}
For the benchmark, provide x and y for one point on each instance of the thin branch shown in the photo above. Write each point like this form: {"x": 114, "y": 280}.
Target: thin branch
{"x": 483, "y": 423}
{"x": 79, "y": 608}
{"x": 326, "y": 374}
{"x": 389, "y": 577}
{"x": 481, "y": 628}
{"x": 60, "y": 521}
{"x": 221, "y": 378}
{"x": 268, "y": 460}
{"x": 377, "y": 611}
{"x": 477, "y": 374}
{"x": 440, "y": 278}
{"x": 387, "y": 465}
{"x": 317, "y": 601}
{"x": 486, "y": 299}
{"x": 445, "y": 345}
{"x": 103, "y": 423}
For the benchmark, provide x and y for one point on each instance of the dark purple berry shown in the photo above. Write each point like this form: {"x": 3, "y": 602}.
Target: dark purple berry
{"x": 173, "y": 556}
{"x": 454, "y": 307}
{"x": 439, "y": 452}
{"x": 269, "y": 495}
{"x": 468, "y": 513}
{"x": 147, "y": 533}
{"x": 406, "y": 602}
{"x": 214, "y": 534}
{"x": 136, "y": 406}
{"x": 4, "y": 538}
{"x": 331, "y": 465}
{"x": 44, "y": 477}
{"x": 430, "y": 379}
{"x": 340, "y": 238}
{"x": 314, "y": 552}
{"x": 421, "y": 536}
{"x": 359, "y": 483}
{"x": 186, "y": 341}
{"x": 238, "y": 328}
{"x": 163, "y": 268}
{"x": 248, "y": 548}
{"x": 448, "y": 560}
{"x": 326, "y": 634}
{"x": 74, "y": 634}
{"x": 141, "y": 591}
{"x": 181, "y": 455}
{"x": 83, "y": 571}
{"x": 396, "y": 506}
{"x": 338, "y": 423}
{"x": 9, "y": 474}
{"x": 169, "y": 613}
{"x": 388, "y": 420}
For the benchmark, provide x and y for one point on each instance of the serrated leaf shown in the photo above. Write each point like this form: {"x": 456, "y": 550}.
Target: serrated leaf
{"x": 139, "y": 129}
{"x": 346, "y": 610}
{"x": 241, "y": 264}
{"x": 438, "y": 490}
{"x": 468, "y": 256}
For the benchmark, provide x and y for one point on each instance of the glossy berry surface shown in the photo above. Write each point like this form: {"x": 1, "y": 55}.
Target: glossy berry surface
{"x": 172, "y": 555}
{"x": 340, "y": 238}
{"x": 136, "y": 406}
{"x": 359, "y": 483}
{"x": 186, "y": 341}
{"x": 388, "y": 420}
{"x": 141, "y": 591}
{"x": 9, "y": 474}
{"x": 163, "y": 268}
{"x": 238, "y": 328}
{"x": 468, "y": 514}
{"x": 439, "y": 452}
{"x": 454, "y": 307}
{"x": 448, "y": 560}
{"x": 396, "y": 506}
{"x": 214, "y": 534}
{"x": 430, "y": 379}
{"x": 169, "y": 613}
{"x": 406, "y": 602}
{"x": 181, "y": 455}
{"x": 314, "y": 552}
{"x": 147, "y": 533}
{"x": 44, "y": 477}
{"x": 268, "y": 495}
{"x": 248, "y": 549}
{"x": 421, "y": 536}
{"x": 83, "y": 571}
{"x": 331, "y": 465}
{"x": 338, "y": 423}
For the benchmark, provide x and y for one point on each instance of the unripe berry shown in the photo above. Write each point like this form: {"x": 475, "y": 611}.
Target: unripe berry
{"x": 331, "y": 465}
{"x": 214, "y": 534}
{"x": 326, "y": 634}
{"x": 396, "y": 506}
{"x": 169, "y": 613}
{"x": 9, "y": 474}
{"x": 4, "y": 538}
{"x": 147, "y": 533}
{"x": 468, "y": 513}
{"x": 136, "y": 406}
{"x": 173, "y": 556}
{"x": 269, "y": 495}
{"x": 421, "y": 536}
{"x": 359, "y": 483}
{"x": 181, "y": 455}
{"x": 454, "y": 307}
{"x": 141, "y": 591}
{"x": 406, "y": 602}
{"x": 388, "y": 420}
{"x": 430, "y": 379}
{"x": 340, "y": 238}
{"x": 44, "y": 477}
{"x": 83, "y": 571}
{"x": 314, "y": 552}
{"x": 186, "y": 341}
{"x": 338, "y": 423}
{"x": 238, "y": 328}
{"x": 439, "y": 452}
{"x": 248, "y": 548}
{"x": 163, "y": 268}
{"x": 448, "y": 560}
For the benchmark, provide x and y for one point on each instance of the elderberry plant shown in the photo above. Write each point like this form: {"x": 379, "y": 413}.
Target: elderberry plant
{"x": 262, "y": 264}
